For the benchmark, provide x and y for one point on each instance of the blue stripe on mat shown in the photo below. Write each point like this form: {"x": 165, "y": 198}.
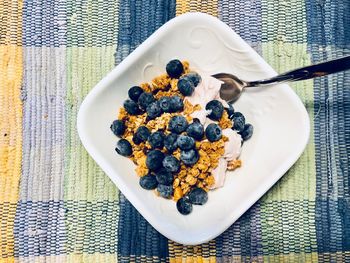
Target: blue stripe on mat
{"x": 328, "y": 22}
{"x": 137, "y": 237}
{"x": 44, "y": 109}
{"x": 138, "y": 21}
{"x": 244, "y": 17}
{"x": 39, "y": 229}
{"x": 44, "y": 23}
{"x": 329, "y": 38}
{"x": 243, "y": 238}
{"x": 332, "y": 142}
{"x": 333, "y": 225}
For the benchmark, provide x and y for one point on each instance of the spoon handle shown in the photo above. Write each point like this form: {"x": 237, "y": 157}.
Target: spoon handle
{"x": 308, "y": 72}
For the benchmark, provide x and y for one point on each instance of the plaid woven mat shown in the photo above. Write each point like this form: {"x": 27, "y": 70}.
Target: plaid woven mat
{"x": 56, "y": 205}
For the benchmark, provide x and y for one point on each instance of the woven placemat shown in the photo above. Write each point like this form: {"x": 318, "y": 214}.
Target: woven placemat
{"x": 56, "y": 204}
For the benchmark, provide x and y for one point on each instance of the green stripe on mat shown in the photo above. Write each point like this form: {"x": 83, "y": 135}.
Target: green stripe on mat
{"x": 292, "y": 257}
{"x": 84, "y": 180}
{"x": 288, "y": 227}
{"x": 91, "y": 227}
{"x": 92, "y": 23}
{"x": 288, "y": 209}
{"x": 300, "y": 181}
{"x": 284, "y": 21}
{"x": 91, "y": 199}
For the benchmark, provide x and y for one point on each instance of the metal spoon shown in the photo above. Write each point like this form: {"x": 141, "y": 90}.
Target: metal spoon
{"x": 233, "y": 87}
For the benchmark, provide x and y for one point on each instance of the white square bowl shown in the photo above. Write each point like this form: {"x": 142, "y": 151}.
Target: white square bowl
{"x": 281, "y": 125}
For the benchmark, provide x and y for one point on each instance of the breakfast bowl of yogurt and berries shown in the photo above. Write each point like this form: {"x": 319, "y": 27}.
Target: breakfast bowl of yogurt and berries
{"x": 189, "y": 162}
{"x": 181, "y": 136}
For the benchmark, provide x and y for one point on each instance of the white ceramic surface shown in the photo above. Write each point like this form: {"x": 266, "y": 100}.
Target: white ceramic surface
{"x": 281, "y": 125}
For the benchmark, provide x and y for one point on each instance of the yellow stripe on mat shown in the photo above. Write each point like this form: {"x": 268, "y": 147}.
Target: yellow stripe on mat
{"x": 10, "y": 122}
{"x": 204, "y": 6}
{"x": 180, "y": 253}
{"x": 11, "y": 62}
{"x": 10, "y": 142}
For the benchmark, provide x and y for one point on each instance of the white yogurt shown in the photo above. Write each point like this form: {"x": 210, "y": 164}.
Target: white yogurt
{"x": 207, "y": 90}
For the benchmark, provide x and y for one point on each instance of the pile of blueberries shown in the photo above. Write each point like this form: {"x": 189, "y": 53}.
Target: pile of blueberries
{"x": 164, "y": 166}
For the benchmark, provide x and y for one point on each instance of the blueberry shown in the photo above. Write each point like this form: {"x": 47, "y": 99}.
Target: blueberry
{"x": 198, "y": 196}
{"x": 195, "y": 130}
{"x": 189, "y": 157}
{"x": 131, "y": 107}
{"x": 156, "y": 139}
{"x": 124, "y": 147}
{"x": 164, "y": 177}
{"x": 135, "y": 92}
{"x": 154, "y": 160}
{"x": 177, "y": 124}
{"x": 145, "y": 99}
{"x": 176, "y": 104}
{"x": 136, "y": 139}
{"x": 165, "y": 191}
{"x": 174, "y": 68}
{"x": 118, "y": 127}
{"x": 171, "y": 164}
{"x": 170, "y": 142}
{"x": 142, "y": 133}
{"x": 216, "y": 109}
{"x": 148, "y": 182}
{"x": 213, "y": 132}
{"x": 230, "y": 111}
{"x": 153, "y": 110}
{"x": 194, "y": 77}
{"x": 247, "y": 132}
{"x": 238, "y": 121}
{"x": 184, "y": 206}
{"x": 185, "y": 142}
{"x": 185, "y": 86}
{"x": 165, "y": 104}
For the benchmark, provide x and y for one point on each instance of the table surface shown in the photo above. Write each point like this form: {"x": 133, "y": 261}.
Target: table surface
{"x": 56, "y": 205}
